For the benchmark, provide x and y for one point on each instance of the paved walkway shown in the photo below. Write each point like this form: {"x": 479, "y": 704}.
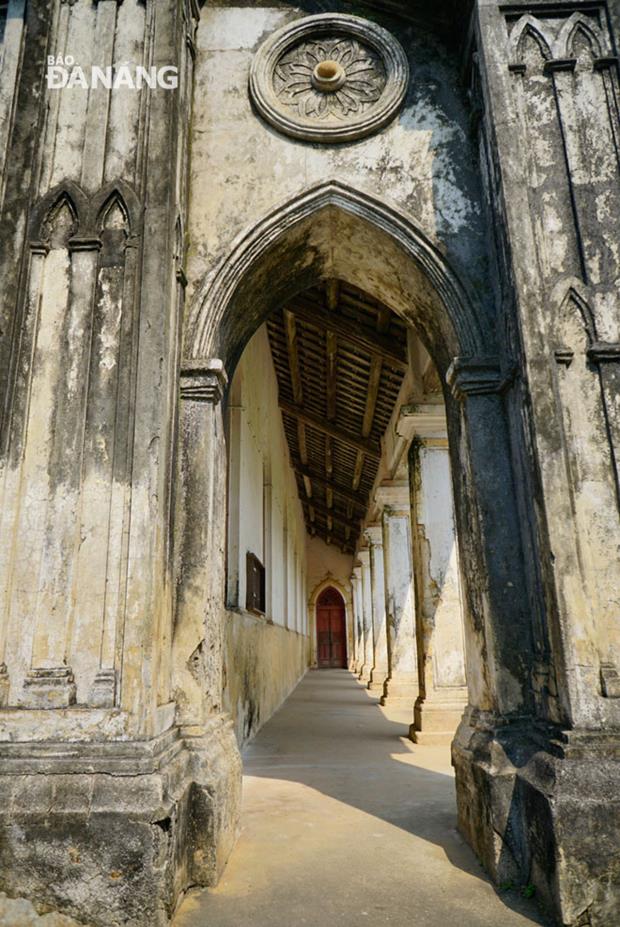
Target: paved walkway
{"x": 344, "y": 820}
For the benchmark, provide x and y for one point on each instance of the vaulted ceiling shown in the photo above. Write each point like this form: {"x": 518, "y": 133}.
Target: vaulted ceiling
{"x": 340, "y": 358}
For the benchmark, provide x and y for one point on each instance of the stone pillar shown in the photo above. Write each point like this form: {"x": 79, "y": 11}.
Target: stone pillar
{"x": 379, "y": 671}
{"x": 359, "y": 618}
{"x": 548, "y": 76}
{"x": 366, "y": 596}
{"x": 443, "y": 692}
{"x": 402, "y": 683}
{"x": 352, "y": 625}
{"x": 92, "y": 734}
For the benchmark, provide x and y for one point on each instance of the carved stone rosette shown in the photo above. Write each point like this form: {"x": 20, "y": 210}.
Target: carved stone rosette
{"x": 329, "y": 78}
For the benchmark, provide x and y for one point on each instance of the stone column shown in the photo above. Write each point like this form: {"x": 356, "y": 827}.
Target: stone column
{"x": 366, "y": 596}
{"x": 443, "y": 692}
{"x": 359, "y": 618}
{"x": 352, "y": 625}
{"x": 548, "y": 76}
{"x": 94, "y": 737}
{"x": 379, "y": 672}
{"x": 402, "y": 683}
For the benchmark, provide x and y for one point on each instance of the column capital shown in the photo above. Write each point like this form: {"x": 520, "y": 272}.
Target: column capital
{"x": 203, "y": 380}
{"x": 364, "y": 558}
{"x": 477, "y": 376}
{"x": 374, "y": 535}
{"x": 394, "y": 498}
{"x": 422, "y": 420}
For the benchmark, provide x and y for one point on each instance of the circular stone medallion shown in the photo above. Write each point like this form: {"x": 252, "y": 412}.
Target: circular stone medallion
{"x": 329, "y": 78}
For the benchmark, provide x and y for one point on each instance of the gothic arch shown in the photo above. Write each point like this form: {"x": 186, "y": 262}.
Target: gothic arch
{"x": 325, "y": 231}
{"x": 529, "y": 27}
{"x": 572, "y": 291}
{"x": 577, "y": 25}
{"x": 329, "y": 582}
{"x": 121, "y": 193}
{"x": 68, "y": 193}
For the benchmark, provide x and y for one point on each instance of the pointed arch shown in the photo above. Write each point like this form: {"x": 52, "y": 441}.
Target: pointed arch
{"x": 121, "y": 195}
{"x": 321, "y": 232}
{"x": 577, "y": 25}
{"x": 329, "y": 582}
{"x": 568, "y": 291}
{"x": 529, "y": 27}
{"x": 68, "y": 195}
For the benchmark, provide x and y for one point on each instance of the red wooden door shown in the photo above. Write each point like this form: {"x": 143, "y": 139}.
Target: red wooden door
{"x": 331, "y": 630}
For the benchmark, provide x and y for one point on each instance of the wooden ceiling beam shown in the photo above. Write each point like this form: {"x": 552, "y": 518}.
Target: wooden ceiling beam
{"x": 363, "y": 337}
{"x": 350, "y": 497}
{"x": 293, "y": 356}
{"x": 331, "y": 347}
{"x": 357, "y": 472}
{"x": 332, "y": 292}
{"x": 374, "y": 381}
{"x": 340, "y": 519}
{"x": 370, "y": 448}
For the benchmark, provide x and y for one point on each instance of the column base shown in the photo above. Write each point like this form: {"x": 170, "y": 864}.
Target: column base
{"x": 435, "y": 721}
{"x": 112, "y": 833}
{"x": 377, "y": 678}
{"x": 364, "y": 673}
{"x": 399, "y": 688}
{"x": 541, "y": 807}
{"x": 46, "y": 687}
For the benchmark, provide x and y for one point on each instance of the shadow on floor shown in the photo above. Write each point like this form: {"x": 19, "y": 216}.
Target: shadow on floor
{"x": 332, "y": 736}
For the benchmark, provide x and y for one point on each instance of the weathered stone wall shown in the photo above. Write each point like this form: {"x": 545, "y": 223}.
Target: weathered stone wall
{"x": 242, "y": 169}
{"x": 100, "y": 787}
{"x": 263, "y": 664}
{"x": 486, "y": 215}
{"x": 264, "y": 655}
{"x": 265, "y": 516}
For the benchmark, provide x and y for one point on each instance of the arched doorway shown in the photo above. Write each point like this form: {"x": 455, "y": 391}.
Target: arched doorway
{"x": 334, "y": 232}
{"x": 331, "y": 633}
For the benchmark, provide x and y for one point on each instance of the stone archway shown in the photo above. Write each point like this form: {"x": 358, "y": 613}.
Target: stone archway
{"x": 333, "y": 230}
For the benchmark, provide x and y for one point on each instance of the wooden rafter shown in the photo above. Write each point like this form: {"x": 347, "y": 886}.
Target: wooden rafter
{"x": 293, "y": 356}
{"x": 331, "y": 347}
{"x": 335, "y": 516}
{"x": 332, "y": 292}
{"x": 351, "y": 498}
{"x": 374, "y": 381}
{"x": 357, "y": 472}
{"x": 322, "y": 343}
{"x": 370, "y": 448}
{"x": 359, "y": 336}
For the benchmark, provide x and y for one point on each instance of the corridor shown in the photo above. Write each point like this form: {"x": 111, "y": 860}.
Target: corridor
{"x": 345, "y": 819}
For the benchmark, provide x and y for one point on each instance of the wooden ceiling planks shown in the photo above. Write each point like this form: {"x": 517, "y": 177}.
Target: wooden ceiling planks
{"x": 340, "y": 357}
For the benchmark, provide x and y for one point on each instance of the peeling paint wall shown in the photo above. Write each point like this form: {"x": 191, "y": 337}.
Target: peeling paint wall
{"x": 263, "y": 664}
{"x": 265, "y": 655}
{"x": 242, "y": 168}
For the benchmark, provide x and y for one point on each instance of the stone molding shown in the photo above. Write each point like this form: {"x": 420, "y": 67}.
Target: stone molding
{"x": 476, "y": 376}
{"x": 4, "y": 685}
{"x": 603, "y": 351}
{"x": 425, "y": 420}
{"x": 216, "y": 294}
{"x": 103, "y": 690}
{"x": 49, "y": 687}
{"x": 374, "y": 535}
{"x": 394, "y": 499}
{"x": 329, "y": 108}
{"x": 203, "y": 380}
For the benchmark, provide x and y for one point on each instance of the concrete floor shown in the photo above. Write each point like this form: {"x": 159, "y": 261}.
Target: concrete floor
{"x": 345, "y": 819}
